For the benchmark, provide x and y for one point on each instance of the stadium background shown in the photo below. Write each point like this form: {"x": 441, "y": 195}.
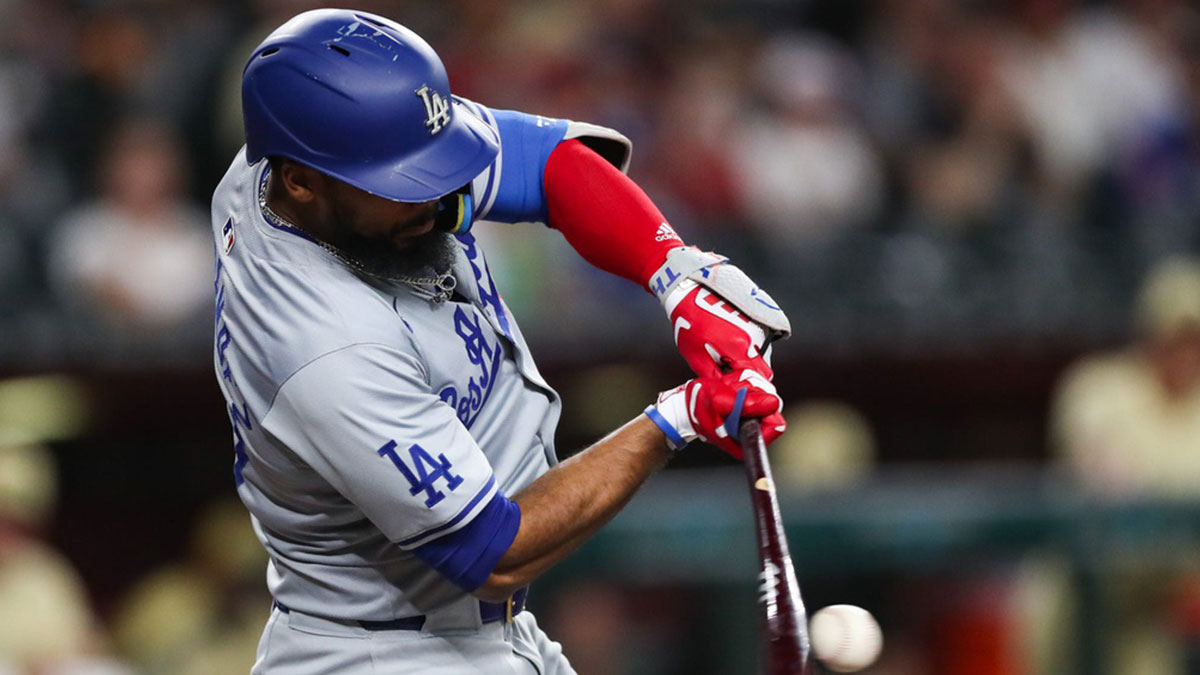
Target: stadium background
{"x": 954, "y": 201}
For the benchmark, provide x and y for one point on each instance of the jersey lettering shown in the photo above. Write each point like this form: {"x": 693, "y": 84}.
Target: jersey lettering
{"x": 488, "y": 293}
{"x": 427, "y": 472}
{"x": 239, "y": 416}
{"x": 484, "y": 356}
{"x": 240, "y": 457}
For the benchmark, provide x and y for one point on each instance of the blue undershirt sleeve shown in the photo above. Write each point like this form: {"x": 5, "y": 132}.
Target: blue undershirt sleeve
{"x": 526, "y": 142}
{"x": 469, "y": 554}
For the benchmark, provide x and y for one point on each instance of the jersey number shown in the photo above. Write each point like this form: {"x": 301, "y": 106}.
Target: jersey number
{"x": 427, "y": 471}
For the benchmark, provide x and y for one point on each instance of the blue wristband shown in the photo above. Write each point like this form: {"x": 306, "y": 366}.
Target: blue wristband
{"x": 674, "y": 439}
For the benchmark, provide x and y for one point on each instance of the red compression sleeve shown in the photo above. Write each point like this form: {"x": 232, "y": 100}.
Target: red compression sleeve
{"x": 604, "y": 215}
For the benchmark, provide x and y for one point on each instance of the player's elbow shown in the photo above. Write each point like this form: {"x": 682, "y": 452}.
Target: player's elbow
{"x": 499, "y": 587}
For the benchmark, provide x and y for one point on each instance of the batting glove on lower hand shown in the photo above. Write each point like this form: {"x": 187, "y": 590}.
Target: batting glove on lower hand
{"x": 711, "y": 409}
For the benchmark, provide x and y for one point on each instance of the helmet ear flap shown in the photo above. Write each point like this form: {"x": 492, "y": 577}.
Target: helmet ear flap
{"x": 455, "y": 211}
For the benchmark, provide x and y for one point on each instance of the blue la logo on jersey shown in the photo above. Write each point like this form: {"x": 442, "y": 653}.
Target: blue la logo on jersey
{"x": 424, "y": 473}
{"x": 227, "y": 233}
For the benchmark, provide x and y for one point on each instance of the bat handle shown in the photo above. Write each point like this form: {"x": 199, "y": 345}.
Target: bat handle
{"x": 785, "y": 619}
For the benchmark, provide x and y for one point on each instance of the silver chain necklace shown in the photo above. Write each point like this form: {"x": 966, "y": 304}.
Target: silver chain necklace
{"x": 440, "y": 287}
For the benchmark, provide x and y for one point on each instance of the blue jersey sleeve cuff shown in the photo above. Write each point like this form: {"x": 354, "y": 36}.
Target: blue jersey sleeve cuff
{"x": 469, "y": 554}
{"x": 526, "y": 142}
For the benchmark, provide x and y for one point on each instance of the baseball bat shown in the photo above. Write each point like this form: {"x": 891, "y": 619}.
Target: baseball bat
{"x": 785, "y": 621}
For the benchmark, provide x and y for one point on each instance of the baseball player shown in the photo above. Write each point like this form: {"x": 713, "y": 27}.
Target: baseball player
{"x": 393, "y": 439}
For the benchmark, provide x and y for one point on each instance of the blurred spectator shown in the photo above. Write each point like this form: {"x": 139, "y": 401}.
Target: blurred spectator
{"x": 1158, "y": 169}
{"x": 105, "y": 81}
{"x": 1087, "y": 81}
{"x": 41, "y": 409}
{"x": 203, "y": 615}
{"x": 1127, "y": 423}
{"x": 829, "y": 445}
{"x": 137, "y": 260}
{"x": 966, "y": 171}
{"x": 615, "y": 629}
{"x": 805, "y": 166}
{"x": 594, "y": 622}
{"x": 690, "y": 168}
{"x": 46, "y": 623}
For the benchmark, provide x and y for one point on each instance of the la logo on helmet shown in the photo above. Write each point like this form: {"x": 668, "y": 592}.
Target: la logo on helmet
{"x": 437, "y": 109}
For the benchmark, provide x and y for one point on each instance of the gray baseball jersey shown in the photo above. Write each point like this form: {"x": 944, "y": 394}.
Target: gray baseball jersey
{"x": 377, "y": 432}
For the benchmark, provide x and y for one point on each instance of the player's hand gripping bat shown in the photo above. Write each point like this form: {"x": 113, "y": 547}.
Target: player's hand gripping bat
{"x": 784, "y": 618}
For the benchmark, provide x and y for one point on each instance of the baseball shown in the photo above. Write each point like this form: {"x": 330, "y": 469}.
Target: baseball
{"x": 845, "y": 638}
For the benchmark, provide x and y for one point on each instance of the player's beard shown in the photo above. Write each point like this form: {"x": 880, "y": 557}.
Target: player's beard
{"x": 427, "y": 255}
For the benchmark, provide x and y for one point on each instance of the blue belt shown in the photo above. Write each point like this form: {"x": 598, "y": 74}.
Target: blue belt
{"x": 489, "y": 612}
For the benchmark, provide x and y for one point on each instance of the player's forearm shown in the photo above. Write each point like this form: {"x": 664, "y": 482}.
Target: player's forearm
{"x": 604, "y": 215}
{"x": 566, "y": 505}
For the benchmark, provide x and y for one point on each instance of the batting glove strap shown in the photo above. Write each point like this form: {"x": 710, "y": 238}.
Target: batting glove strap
{"x": 733, "y": 423}
{"x": 674, "y": 439}
{"x": 670, "y": 414}
{"x": 682, "y": 263}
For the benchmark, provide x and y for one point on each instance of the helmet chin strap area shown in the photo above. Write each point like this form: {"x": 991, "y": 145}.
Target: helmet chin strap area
{"x": 455, "y": 211}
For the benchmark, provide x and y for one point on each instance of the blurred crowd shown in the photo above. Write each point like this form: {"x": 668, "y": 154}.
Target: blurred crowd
{"x": 200, "y": 614}
{"x": 902, "y": 174}
{"x": 962, "y": 173}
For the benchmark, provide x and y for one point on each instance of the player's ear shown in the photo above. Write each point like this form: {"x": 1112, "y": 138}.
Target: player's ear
{"x": 300, "y": 182}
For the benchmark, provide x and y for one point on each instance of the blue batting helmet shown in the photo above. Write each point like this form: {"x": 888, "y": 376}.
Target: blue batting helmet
{"x": 364, "y": 100}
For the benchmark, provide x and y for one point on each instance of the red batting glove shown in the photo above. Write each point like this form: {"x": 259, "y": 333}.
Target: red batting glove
{"x": 711, "y": 333}
{"x": 711, "y": 409}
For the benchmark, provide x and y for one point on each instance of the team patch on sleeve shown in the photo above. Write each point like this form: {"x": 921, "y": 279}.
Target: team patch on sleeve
{"x": 227, "y": 236}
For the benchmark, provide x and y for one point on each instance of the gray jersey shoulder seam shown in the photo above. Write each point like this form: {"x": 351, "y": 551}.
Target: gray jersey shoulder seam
{"x": 411, "y": 341}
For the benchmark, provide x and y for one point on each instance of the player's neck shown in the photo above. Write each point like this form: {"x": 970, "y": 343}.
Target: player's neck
{"x": 285, "y": 207}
